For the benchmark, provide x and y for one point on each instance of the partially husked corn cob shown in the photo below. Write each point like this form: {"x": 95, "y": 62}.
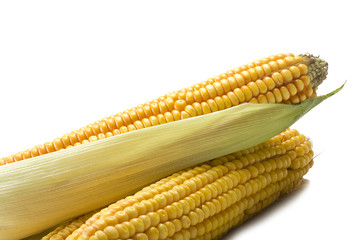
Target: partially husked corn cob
{"x": 202, "y": 202}
{"x": 283, "y": 78}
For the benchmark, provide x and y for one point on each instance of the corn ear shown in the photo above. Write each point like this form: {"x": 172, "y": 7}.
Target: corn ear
{"x": 41, "y": 192}
{"x": 196, "y": 202}
{"x": 283, "y": 78}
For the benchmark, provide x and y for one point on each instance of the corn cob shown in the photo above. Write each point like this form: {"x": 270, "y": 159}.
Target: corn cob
{"x": 202, "y": 202}
{"x": 283, "y": 78}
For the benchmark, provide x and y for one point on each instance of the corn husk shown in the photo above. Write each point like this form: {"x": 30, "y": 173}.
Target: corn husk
{"x": 40, "y": 192}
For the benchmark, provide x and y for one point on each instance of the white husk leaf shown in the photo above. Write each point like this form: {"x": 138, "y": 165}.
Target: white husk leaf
{"x": 40, "y": 192}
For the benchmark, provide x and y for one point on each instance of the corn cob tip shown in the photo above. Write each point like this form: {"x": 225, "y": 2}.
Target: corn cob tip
{"x": 317, "y": 69}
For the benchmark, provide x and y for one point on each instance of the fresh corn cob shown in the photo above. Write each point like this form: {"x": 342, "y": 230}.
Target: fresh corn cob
{"x": 283, "y": 78}
{"x": 202, "y": 202}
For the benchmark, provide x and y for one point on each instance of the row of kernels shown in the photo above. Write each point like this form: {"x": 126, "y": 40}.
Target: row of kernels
{"x": 273, "y": 142}
{"x": 261, "y": 62}
{"x": 156, "y": 106}
{"x": 266, "y": 68}
{"x": 275, "y": 96}
{"x": 303, "y": 148}
{"x": 293, "y": 142}
{"x": 223, "y": 219}
{"x": 289, "y": 133}
{"x": 218, "y": 232}
{"x": 261, "y": 205}
{"x": 291, "y": 91}
{"x": 302, "y": 161}
{"x": 218, "y": 103}
{"x": 285, "y": 76}
{"x": 298, "y": 98}
{"x": 298, "y": 173}
{"x": 255, "y": 185}
{"x": 272, "y": 164}
{"x": 259, "y": 197}
{"x": 307, "y": 92}
{"x": 63, "y": 231}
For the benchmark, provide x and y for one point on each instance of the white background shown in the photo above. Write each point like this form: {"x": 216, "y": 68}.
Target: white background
{"x": 65, "y": 64}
